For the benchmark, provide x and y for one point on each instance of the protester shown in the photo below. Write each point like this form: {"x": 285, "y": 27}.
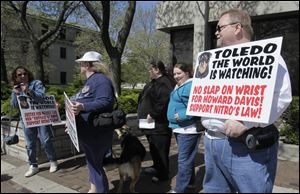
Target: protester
{"x": 153, "y": 104}
{"x": 97, "y": 95}
{"x": 25, "y": 86}
{"x": 184, "y": 127}
{"x": 230, "y": 166}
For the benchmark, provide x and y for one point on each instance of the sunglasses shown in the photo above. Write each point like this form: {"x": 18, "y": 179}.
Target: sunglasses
{"x": 220, "y": 28}
{"x": 20, "y": 74}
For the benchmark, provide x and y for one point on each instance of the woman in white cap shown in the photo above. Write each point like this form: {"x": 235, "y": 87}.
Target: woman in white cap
{"x": 97, "y": 95}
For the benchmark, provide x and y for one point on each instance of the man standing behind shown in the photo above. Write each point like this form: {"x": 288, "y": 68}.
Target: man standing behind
{"x": 229, "y": 165}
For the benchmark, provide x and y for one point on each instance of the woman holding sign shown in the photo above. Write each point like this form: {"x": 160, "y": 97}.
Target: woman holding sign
{"x": 97, "y": 95}
{"x": 24, "y": 86}
{"x": 184, "y": 127}
{"x": 232, "y": 163}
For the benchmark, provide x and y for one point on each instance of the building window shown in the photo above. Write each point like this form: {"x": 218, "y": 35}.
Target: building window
{"x": 182, "y": 42}
{"x": 63, "y": 53}
{"x": 25, "y": 47}
{"x": 46, "y": 52}
{"x": 63, "y": 77}
{"x": 62, "y": 34}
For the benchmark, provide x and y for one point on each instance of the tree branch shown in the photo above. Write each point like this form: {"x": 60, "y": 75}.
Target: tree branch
{"x": 199, "y": 7}
{"x": 124, "y": 32}
{"x": 60, "y": 21}
{"x": 105, "y": 28}
{"x": 93, "y": 13}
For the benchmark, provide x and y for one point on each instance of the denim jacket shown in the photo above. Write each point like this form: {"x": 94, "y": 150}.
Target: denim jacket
{"x": 36, "y": 92}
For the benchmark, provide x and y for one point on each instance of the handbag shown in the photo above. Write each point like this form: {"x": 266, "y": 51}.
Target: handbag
{"x": 12, "y": 139}
{"x": 115, "y": 119}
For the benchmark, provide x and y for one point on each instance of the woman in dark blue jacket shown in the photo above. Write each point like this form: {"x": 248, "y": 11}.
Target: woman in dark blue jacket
{"x": 96, "y": 96}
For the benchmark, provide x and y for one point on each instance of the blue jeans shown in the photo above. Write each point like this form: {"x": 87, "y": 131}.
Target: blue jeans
{"x": 187, "y": 150}
{"x": 231, "y": 167}
{"x": 31, "y": 135}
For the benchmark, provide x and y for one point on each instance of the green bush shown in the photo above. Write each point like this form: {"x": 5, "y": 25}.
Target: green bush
{"x": 5, "y": 90}
{"x": 126, "y": 92}
{"x": 7, "y": 109}
{"x": 59, "y": 97}
{"x": 290, "y": 127}
{"x": 129, "y": 102}
{"x": 6, "y": 100}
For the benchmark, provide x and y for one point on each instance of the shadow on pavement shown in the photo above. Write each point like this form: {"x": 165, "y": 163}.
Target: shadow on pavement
{"x": 5, "y": 177}
{"x": 145, "y": 184}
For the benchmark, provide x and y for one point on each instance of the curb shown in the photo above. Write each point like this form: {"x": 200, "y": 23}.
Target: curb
{"x": 277, "y": 189}
{"x": 288, "y": 152}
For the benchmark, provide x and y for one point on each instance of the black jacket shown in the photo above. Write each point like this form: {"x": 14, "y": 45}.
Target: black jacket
{"x": 154, "y": 100}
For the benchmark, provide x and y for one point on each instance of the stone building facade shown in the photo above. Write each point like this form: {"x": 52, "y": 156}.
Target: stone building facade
{"x": 184, "y": 21}
{"x": 59, "y": 58}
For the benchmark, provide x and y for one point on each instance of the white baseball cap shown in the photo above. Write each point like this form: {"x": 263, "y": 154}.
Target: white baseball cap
{"x": 90, "y": 56}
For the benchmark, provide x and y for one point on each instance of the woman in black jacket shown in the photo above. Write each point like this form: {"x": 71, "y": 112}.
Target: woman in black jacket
{"x": 153, "y": 105}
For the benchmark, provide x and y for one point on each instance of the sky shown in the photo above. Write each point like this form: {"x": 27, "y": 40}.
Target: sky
{"x": 146, "y": 4}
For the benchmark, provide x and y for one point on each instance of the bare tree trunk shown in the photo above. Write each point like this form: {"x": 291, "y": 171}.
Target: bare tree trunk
{"x": 116, "y": 71}
{"x": 3, "y": 67}
{"x": 206, "y": 31}
{"x": 41, "y": 42}
{"x": 38, "y": 60}
{"x": 114, "y": 52}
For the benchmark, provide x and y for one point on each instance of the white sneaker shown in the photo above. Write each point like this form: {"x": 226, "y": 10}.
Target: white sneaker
{"x": 53, "y": 166}
{"x": 31, "y": 171}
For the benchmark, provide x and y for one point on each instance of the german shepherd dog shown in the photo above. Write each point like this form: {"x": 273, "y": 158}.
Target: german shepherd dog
{"x": 130, "y": 161}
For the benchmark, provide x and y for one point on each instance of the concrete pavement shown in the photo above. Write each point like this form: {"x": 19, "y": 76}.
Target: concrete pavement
{"x": 72, "y": 176}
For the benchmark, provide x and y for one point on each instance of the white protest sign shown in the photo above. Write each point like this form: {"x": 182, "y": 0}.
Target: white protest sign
{"x": 238, "y": 82}
{"x": 71, "y": 122}
{"x": 36, "y": 114}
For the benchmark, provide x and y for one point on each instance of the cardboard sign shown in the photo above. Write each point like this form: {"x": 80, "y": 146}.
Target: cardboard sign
{"x": 71, "y": 123}
{"x": 36, "y": 114}
{"x": 236, "y": 82}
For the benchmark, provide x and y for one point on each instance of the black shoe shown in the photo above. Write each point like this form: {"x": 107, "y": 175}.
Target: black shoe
{"x": 191, "y": 186}
{"x": 155, "y": 179}
{"x": 150, "y": 170}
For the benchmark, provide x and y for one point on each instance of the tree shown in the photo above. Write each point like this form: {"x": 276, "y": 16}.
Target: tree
{"x": 205, "y": 15}
{"x": 145, "y": 43}
{"x": 41, "y": 42}
{"x": 8, "y": 25}
{"x": 114, "y": 52}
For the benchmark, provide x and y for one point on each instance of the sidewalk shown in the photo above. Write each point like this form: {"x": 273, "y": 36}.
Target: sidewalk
{"x": 72, "y": 176}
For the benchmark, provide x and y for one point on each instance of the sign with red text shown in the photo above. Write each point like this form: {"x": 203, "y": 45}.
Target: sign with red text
{"x": 36, "y": 113}
{"x": 236, "y": 82}
{"x": 71, "y": 122}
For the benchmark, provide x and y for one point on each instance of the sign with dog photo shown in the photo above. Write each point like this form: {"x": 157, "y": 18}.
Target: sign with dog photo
{"x": 71, "y": 122}
{"x": 36, "y": 114}
{"x": 236, "y": 82}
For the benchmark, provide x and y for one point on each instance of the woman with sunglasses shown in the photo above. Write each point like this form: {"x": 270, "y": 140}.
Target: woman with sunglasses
{"x": 25, "y": 85}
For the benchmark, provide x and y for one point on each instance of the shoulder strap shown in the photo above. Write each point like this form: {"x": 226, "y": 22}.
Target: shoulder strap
{"x": 17, "y": 125}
